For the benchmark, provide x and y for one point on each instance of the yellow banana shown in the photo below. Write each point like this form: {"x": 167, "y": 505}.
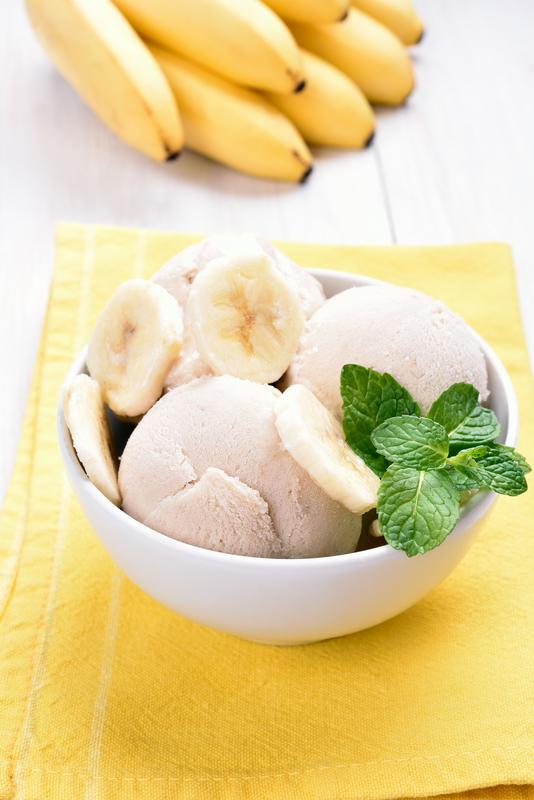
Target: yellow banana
{"x": 234, "y": 125}
{"x": 399, "y": 16}
{"x": 310, "y": 11}
{"x": 331, "y": 111}
{"x": 104, "y": 59}
{"x": 241, "y": 40}
{"x": 366, "y": 51}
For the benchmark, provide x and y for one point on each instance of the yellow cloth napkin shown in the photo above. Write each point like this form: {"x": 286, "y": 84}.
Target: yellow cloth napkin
{"x": 105, "y": 694}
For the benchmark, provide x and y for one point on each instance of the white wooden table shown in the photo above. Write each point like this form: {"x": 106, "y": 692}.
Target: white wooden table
{"x": 455, "y": 165}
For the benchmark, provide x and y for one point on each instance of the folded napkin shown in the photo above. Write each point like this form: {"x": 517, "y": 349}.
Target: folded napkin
{"x": 106, "y": 694}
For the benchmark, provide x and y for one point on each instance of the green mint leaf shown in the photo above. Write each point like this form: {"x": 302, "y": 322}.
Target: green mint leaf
{"x": 464, "y": 478}
{"x": 468, "y": 457}
{"x": 495, "y": 466}
{"x": 462, "y": 468}
{"x": 412, "y": 441}
{"x": 501, "y": 472}
{"x": 480, "y": 427}
{"x": 517, "y": 457}
{"x": 370, "y": 398}
{"x": 454, "y": 405}
{"x": 416, "y": 509}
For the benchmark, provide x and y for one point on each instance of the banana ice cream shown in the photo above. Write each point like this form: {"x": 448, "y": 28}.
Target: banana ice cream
{"x": 221, "y": 459}
{"x": 206, "y": 465}
{"x": 391, "y": 329}
{"x": 178, "y": 274}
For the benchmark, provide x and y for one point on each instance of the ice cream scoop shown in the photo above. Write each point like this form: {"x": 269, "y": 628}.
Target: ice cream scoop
{"x": 391, "y": 329}
{"x": 178, "y": 274}
{"x": 206, "y": 466}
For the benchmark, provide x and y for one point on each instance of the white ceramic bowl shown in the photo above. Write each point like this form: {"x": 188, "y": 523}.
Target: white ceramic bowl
{"x": 293, "y": 601}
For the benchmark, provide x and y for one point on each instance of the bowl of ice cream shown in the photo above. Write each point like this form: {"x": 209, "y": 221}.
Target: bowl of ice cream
{"x": 221, "y": 524}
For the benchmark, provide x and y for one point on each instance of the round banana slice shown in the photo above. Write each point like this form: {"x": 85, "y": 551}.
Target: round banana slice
{"x": 314, "y": 437}
{"x": 246, "y": 317}
{"x": 86, "y": 420}
{"x": 136, "y": 340}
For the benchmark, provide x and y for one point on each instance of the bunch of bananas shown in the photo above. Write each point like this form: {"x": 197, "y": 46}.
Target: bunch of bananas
{"x": 244, "y": 82}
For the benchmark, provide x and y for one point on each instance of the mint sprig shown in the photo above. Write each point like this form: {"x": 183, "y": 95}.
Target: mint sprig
{"x": 426, "y": 463}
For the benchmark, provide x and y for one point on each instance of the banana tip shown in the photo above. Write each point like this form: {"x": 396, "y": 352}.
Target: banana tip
{"x": 344, "y": 16}
{"x": 299, "y": 87}
{"x": 421, "y": 36}
{"x": 368, "y": 142}
{"x": 404, "y": 102}
{"x": 306, "y": 174}
{"x": 173, "y": 155}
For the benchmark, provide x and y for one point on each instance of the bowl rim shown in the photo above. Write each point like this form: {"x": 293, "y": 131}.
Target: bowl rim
{"x": 473, "y": 511}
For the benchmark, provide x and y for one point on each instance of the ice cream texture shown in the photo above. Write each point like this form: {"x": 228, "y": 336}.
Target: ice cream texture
{"x": 206, "y": 466}
{"x": 178, "y": 274}
{"x": 391, "y": 329}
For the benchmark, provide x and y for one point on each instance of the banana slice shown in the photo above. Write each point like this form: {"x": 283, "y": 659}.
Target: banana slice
{"x": 246, "y": 318}
{"x": 314, "y": 437}
{"x": 136, "y": 340}
{"x": 84, "y": 414}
